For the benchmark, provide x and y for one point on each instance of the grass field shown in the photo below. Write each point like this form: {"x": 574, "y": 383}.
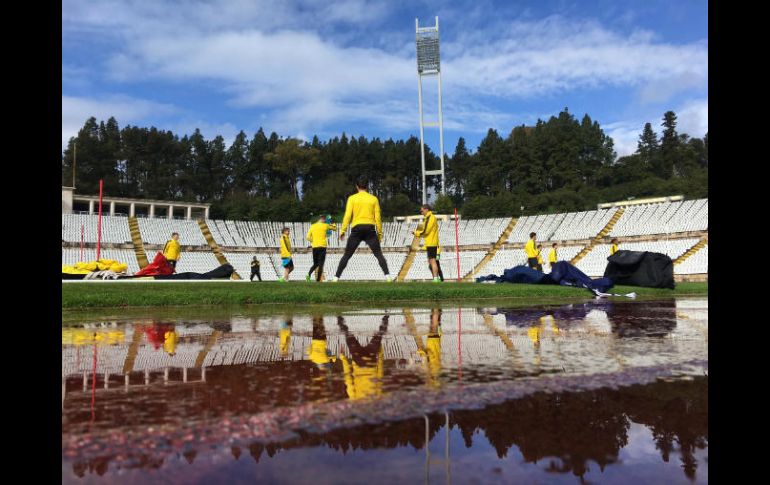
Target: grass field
{"x": 105, "y": 294}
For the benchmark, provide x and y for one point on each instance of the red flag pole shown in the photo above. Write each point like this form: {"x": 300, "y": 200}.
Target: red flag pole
{"x": 457, "y": 245}
{"x": 99, "y": 223}
{"x": 82, "y": 240}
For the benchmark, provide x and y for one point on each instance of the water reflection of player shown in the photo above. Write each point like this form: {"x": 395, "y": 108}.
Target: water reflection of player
{"x": 285, "y": 336}
{"x": 363, "y": 376}
{"x": 432, "y": 351}
{"x": 162, "y": 334}
{"x": 317, "y": 352}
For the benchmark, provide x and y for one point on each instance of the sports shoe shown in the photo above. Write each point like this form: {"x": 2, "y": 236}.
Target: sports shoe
{"x": 436, "y": 280}
{"x": 388, "y": 279}
{"x": 307, "y": 278}
{"x": 335, "y": 280}
{"x": 282, "y": 280}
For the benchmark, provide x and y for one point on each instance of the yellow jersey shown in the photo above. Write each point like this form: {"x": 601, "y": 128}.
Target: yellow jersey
{"x": 539, "y": 258}
{"x": 363, "y": 381}
{"x": 552, "y": 256}
{"x": 285, "y": 246}
{"x": 169, "y": 342}
{"x": 530, "y": 249}
{"x": 362, "y": 208}
{"x": 172, "y": 249}
{"x": 613, "y": 249}
{"x": 317, "y": 352}
{"x": 317, "y": 234}
{"x": 285, "y": 340}
{"x": 429, "y": 230}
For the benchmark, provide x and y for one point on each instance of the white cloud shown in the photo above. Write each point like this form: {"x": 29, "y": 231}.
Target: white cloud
{"x": 625, "y": 135}
{"x": 127, "y": 110}
{"x": 692, "y": 119}
{"x": 288, "y": 61}
{"x": 555, "y": 55}
{"x": 188, "y": 125}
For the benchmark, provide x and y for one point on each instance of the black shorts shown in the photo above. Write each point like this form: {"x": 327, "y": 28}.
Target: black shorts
{"x": 532, "y": 263}
{"x": 431, "y": 250}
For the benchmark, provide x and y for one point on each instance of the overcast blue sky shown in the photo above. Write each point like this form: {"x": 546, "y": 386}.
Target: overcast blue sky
{"x": 317, "y": 67}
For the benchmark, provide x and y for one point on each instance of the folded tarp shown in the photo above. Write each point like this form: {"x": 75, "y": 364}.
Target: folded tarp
{"x": 568, "y": 275}
{"x": 520, "y": 274}
{"x": 640, "y": 268}
{"x": 223, "y": 272}
{"x": 563, "y": 273}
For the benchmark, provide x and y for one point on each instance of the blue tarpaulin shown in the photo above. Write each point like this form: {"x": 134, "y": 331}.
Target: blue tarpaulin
{"x": 563, "y": 273}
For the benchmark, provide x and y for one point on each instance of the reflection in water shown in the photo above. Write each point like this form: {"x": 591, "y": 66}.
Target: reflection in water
{"x": 363, "y": 376}
{"x": 195, "y": 377}
{"x": 431, "y": 350}
{"x": 285, "y": 336}
{"x": 563, "y": 433}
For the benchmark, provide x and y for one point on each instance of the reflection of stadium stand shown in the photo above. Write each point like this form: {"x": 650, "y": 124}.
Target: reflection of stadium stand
{"x": 579, "y": 338}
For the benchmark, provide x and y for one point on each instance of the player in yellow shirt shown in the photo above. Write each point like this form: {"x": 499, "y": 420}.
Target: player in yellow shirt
{"x": 529, "y": 248}
{"x": 286, "y": 261}
{"x": 614, "y": 246}
{"x": 172, "y": 250}
{"x": 540, "y": 257}
{"x": 553, "y": 258}
{"x": 429, "y": 231}
{"x": 317, "y": 237}
{"x": 362, "y": 213}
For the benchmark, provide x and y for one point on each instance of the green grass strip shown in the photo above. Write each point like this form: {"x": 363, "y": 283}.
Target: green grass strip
{"x": 105, "y": 294}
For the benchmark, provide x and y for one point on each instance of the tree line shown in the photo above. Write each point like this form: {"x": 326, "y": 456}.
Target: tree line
{"x": 557, "y": 165}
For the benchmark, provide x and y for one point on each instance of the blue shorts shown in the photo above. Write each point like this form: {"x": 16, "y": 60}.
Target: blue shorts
{"x": 287, "y": 263}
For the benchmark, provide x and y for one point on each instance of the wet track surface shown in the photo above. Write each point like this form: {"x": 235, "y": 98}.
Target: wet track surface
{"x": 607, "y": 391}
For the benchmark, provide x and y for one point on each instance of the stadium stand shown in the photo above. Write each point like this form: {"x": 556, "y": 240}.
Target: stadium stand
{"x": 114, "y": 228}
{"x": 240, "y": 240}
{"x": 158, "y": 231}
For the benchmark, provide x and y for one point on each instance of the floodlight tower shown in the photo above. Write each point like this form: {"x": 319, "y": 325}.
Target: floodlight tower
{"x": 429, "y": 64}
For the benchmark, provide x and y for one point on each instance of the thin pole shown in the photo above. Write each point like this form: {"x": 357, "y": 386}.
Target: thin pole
{"x": 74, "y": 162}
{"x": 457, "y": 245}
{"x": 93, "y": 384}
{"x": 82, "y": 239}
{"x": 422, "y": 140}
{"x": 99, "y": 224}
{"x": 459, "y": 346}
{"x": 440, "y": 126}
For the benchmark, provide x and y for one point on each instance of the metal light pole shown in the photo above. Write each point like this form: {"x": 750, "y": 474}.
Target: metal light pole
{"x": 74, "y": 162}
{"x": 429, "y": 64}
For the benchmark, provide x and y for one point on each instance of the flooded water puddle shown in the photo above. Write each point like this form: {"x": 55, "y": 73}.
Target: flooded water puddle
{"x": 603, "y": 390}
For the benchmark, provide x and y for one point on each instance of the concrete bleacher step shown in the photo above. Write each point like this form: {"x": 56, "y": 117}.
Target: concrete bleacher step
{"x": 136, "y": 239}
{"x": 409, "y": 259}
{"x": 692, "y": 250}
{"x": 215, "y": 247}
{"x": 598, "y": 238}
{"x": 493, "y": 250}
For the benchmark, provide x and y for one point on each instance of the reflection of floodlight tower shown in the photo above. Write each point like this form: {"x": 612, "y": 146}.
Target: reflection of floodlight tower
{"x": 429, "y": 64}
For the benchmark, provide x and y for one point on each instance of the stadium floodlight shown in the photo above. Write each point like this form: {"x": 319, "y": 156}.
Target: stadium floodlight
{"x": 429, "y": 64}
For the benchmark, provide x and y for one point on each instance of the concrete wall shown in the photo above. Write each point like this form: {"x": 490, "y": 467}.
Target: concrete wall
{"x": 66, "y": 200}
